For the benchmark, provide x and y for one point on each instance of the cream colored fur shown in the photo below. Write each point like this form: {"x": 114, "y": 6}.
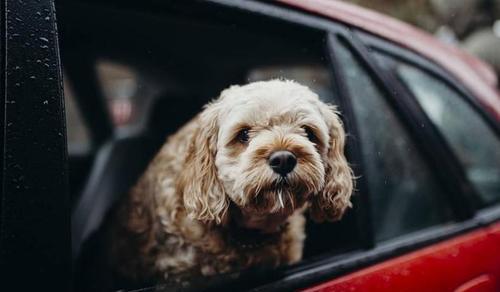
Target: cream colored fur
{"x": 205, "y": 186}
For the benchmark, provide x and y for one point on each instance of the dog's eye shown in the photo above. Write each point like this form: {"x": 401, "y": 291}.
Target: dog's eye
{"x": 243, "y": 135}
{"x": 310, "y": 134}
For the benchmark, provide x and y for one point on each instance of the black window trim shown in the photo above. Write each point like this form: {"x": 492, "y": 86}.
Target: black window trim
{"x": 353, "y": 145}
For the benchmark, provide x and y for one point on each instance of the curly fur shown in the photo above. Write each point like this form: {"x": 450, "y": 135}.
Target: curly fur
{"x": 205, "y": 187}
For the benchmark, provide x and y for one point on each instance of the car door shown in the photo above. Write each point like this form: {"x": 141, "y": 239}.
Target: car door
{"x": 469, "y": 259}
{"x": 34, "y": 210}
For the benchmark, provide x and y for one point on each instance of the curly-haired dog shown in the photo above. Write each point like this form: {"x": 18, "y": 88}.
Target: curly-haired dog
{"x": 228, "y": 190}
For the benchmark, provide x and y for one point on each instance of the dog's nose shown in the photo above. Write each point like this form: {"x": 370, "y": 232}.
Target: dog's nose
{"x": 282, "y": 162}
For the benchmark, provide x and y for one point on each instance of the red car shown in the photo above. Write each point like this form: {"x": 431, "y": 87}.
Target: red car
{"x": 422, "y": 118}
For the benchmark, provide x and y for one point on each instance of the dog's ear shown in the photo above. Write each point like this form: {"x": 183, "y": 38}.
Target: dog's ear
{"x": 203, "y": 195}
{"x": 332, "y": 201}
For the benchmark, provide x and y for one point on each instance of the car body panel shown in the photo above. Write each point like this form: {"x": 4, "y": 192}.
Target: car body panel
{"x": 468, "y": 262}
{"x": 478, "y": 77}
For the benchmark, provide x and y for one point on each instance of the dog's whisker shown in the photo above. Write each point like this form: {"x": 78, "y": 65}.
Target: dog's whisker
{"x": 291, "y": 200}
{"x": 280, "y": 197}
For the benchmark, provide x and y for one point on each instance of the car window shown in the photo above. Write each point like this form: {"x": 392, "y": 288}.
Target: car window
{"x": 77, "y": 131}
{"x": 128, "y": 94}
{"x": 404, "y": 193}
{"x": 475, "y": 144}
{"x": 316, "y": 77}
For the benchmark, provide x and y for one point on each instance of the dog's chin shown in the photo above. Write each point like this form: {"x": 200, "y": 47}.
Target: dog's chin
{"x": 269, "y": 210}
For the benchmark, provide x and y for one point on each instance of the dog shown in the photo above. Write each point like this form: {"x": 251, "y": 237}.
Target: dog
{"x": 230, "y": 190}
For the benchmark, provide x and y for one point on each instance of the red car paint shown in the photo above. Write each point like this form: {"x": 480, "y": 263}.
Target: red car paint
{"x": 470, "y": 262}
{"x": 475, "y": 75}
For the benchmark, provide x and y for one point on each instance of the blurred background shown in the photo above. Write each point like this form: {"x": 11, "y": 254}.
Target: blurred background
{"x": 473, "y": 25}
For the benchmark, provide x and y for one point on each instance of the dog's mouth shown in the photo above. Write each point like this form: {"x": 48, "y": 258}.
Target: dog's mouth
{"x": 281, "y": 196}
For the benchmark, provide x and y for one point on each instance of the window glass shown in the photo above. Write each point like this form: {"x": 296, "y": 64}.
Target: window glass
{"x": 128, "y": 94}
{"x": 316, "y": 77}
{"x": 405, "y": 196}
{"x": 77, "y": 132}
{"x": 473, "y": 141}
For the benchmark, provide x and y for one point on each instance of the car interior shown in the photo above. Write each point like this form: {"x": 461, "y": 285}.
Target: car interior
{"x": 134, "y": 76}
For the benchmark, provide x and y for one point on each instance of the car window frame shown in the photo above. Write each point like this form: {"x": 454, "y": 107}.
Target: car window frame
{"x": 34, "y": 228}
{"x": 427, "y": 138}
{"x": 407, "y": 123}
{"x": 447, "y": 78}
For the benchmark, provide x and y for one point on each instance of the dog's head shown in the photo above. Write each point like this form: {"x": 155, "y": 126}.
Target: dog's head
{"x": 267, "y": 148}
